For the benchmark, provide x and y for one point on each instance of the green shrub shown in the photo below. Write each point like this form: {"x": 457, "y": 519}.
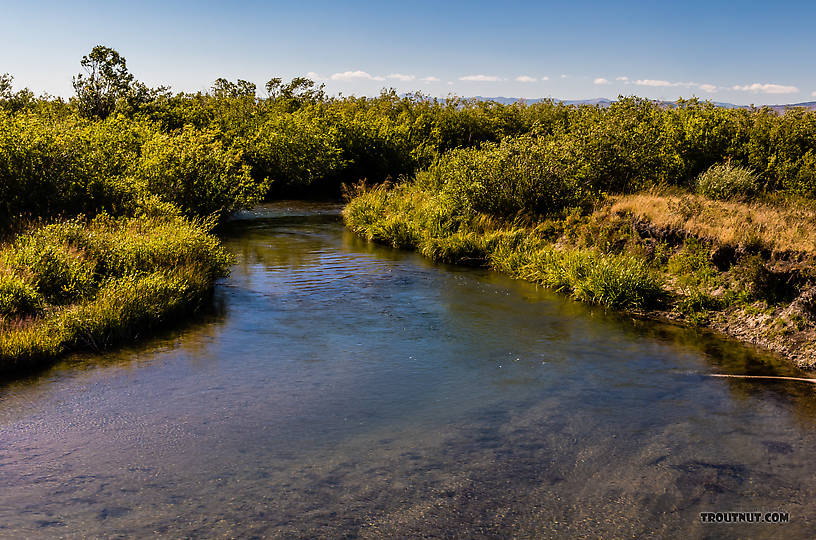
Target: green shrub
{"x": 726, "y": 181}
{"x": 696, "y": 303}
{"x": 693, "y": 259}
{"x": 295, "y": 152}
{"x": 521, "y": 175}
{"x": 51, "y": 167}
{"x": 60, "y": 273}
{"x": 198, "y": 173}
{"x": 18, "y": 298}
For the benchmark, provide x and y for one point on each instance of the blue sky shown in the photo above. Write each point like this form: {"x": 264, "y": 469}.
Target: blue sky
{"x": 739, "y": 51}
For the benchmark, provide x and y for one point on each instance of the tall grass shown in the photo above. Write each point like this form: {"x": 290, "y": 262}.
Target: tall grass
{"x": 410, "y": 217}
{"x": 727, "y": 182}
{"x": 88, "y": 285}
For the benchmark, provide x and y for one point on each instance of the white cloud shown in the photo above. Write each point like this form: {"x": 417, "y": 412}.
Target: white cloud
{"x": 813, "y": 94}
{"x": 767, "y": 88}
{"x": 667, "y": 84}
{"x": 525, "y": 78}
{"x": 355, "y": 75}
{"x": 480, "y": 78}
{"x": 429, "y": 79}
{"x": 706, "y": 87}
{"x": 545, "y": 78}
{"x": 401, "y": 77}
{"x": 658, "y": 83}
{"x": 314, "y": 76}
{"x": 564, "y": 75}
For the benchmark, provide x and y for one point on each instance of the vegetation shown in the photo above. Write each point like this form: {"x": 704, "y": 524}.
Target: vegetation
{"x": 89, "y": 284}
{"x": 736, "y": 255}
{"x": 406, "y": 217}
{"x": 598, "y": 202}
{"x": 724, "y": 182}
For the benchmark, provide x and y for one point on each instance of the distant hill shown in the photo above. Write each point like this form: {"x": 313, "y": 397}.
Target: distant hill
{"x": 809, "y": 105}
{"x": 508, "y": 100}
{"x": 604, "y": 102}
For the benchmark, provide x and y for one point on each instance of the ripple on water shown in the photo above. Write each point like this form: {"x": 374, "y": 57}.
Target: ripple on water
{"x": 344, "y": 389}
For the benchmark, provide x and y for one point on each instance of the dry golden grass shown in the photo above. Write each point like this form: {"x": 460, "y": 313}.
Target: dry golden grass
{"x": 779, "y": 228}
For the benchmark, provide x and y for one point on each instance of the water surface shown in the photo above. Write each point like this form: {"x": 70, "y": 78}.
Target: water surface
{"x": 340, "y": 389}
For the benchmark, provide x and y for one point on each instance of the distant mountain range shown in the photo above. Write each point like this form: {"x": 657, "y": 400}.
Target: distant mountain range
{"x": 605, "y": 102}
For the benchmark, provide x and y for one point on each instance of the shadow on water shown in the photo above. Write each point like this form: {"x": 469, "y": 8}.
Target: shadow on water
{"x": 344, "y": 389}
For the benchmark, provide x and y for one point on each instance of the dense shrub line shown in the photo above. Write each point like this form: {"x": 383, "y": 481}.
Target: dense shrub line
{"x": 220, "y": 151}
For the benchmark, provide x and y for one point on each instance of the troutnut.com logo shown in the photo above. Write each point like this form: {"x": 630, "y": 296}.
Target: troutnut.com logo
{"x": 744, "y": 517}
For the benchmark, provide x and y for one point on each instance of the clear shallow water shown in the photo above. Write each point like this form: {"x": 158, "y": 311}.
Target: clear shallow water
{"x": 342, "y": 389}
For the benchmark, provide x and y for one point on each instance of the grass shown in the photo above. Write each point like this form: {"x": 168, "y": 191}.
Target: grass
{"x": 409, "y": 217}
{"x": 779, "y": 228}
{"x": 89, "y": 285}
{"x": 724, "y": 181}
{"x": 615, "y": 281}
{"x": 599, "y": 256}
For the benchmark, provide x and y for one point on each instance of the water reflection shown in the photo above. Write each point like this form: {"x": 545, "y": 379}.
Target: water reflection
{"x": 346, "y": 389}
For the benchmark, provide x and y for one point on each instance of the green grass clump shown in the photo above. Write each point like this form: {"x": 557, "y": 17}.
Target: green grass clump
{"x": 459, "y": 248}
{"x": 61, "y": 272}
{"x": 616, "y": 281}
{"x": 613, "y": 280}
{"x": 18, "y": 297}
{"x": 88, "y": 285}
{"x": 125, "y": 306}
{"x": 692, "y": 264}
{"x": 724, "y": 181}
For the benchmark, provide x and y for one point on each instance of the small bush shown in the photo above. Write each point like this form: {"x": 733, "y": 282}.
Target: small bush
{"x": 54, "y": 167}
{"x": 726, "y": 182}
{"x": 18, "y": 298}
{"x": 60, "y": 272}
{"x": 693, "y": 260}
{"x": 752, "y": 272}
{"x": 695, "y": 304}
{"x": 295, "y": 152}
{"x": 517, "y": 176}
